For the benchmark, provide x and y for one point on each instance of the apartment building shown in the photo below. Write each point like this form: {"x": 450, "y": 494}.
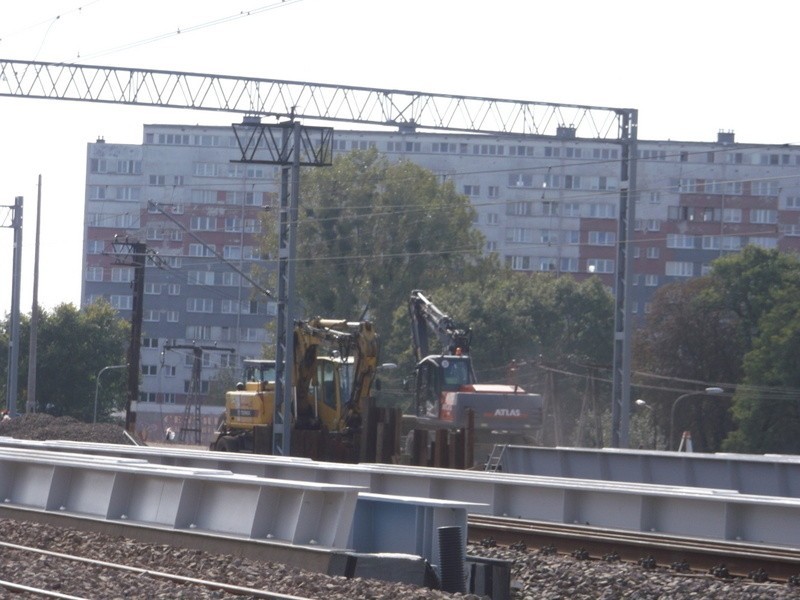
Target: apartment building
{"x": 543, "y": 204}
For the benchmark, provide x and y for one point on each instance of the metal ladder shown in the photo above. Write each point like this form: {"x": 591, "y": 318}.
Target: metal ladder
{"x": 493, "y": 463}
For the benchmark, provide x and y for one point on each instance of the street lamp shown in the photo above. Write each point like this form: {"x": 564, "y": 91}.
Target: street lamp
{"x": 97, "y": 385}
{"x": 708, "y": 390}
{"x": 640, "y": 402}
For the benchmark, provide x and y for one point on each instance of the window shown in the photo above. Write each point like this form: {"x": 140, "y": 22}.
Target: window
{"x": 572, "y": 182}
{"x": 491, "y": 246}
{"x": 519, "y": 235}
{"x": 98, "y": 165}
{"x": 521, "y": 150}
{"x": 203, "y": 224}
{"x": 763, "y": 216}
{"x": 572, "y": 236}
{"x": 550, "y": 208}
{"x": 523, "y": 208}
{"x": 444, "y": 147}
{"x": 552, "y": 181}
{"x": 94, "y": 274}
{"x": 252, "y": 226}
{"x": 602, "y": 238}
{"x": 200, "y": 278}
{"x": 129, "y": 167}
{"x": 652, "y": 252}
{"x": 572, "y": 209}
{"x": 520, "y": 180}
{"x": 199, "y": 305}
{"x": 149, "y": 342}
{"x": 472, "y": 190}
{"x": 492, "y": 218}
{"x": 764, "y": 188}
{"x": 121, "y": 302}
{"x": 676, "y": 240}
{"x": 569, "y": 265}
{"x": 732, "y": 215}
{"x": 602, "y": 210}
{"x": 158, "y": 180}
{"x": 173, "y": 316}
{"x": 731, "y": 242}
{"x": 126, "y": 193}
{"x": 201, "y": 250}
{"x": 548, "y": 236}
{"x": 793, "y": 203}
{"x": 152, "y": 289}
{"x": 97, "y": 192}
{"x": 494, "y": 191}
{"x": 519, "y": 263}
{"x": 654, "y": 197}
{"x": 174, "y": 289}
{"x": 151, "y": 316}
{"x": 232, "y": 252}
{"x": 231, "y": 279}
{"x": 600, "y": 265}
{"x": 711, "y": 242}
{"x": 651, "y": 280}
{"x": 95, "y": 247}
{"x": 679, "y": 269}
{"x": 764, "y": 242}
{"x": 551, "y": 152}
{"x": 202, "y": 169}
{"x": 122, "y": 274}
{"x": 547, "y": 264}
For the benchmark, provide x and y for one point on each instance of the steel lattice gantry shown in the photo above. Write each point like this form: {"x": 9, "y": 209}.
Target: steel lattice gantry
{"x": 408, "y": 110}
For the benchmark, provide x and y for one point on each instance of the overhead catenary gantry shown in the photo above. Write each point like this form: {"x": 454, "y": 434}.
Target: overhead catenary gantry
{"x": 408, "y": 110}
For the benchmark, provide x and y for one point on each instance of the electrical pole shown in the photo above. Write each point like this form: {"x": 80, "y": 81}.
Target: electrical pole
{"x": 13, "y": 350}
{"x": 290, "y": 145}
{"x": 30, "y": 405}
{"x": 193, "y": 400}
{"x": 137, "y": 253}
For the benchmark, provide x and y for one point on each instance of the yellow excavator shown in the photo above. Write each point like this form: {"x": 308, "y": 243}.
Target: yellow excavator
{"x": 335, "y": 363}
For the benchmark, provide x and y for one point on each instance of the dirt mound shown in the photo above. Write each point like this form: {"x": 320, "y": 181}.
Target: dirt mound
{"x": 41, "y": 426}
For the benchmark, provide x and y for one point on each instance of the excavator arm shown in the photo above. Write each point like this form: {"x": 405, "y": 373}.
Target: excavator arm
{"x": 357, "y": 339}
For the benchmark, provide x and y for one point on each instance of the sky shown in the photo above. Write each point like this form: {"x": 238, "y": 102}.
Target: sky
{"x": 690, "y": 68}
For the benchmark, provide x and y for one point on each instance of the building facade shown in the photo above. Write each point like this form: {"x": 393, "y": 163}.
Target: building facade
{"x": 543, "y": 204}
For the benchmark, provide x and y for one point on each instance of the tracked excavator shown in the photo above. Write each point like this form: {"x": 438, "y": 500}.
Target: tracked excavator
{"x": 445, "y": 386}
{"x": 335, "y": 364}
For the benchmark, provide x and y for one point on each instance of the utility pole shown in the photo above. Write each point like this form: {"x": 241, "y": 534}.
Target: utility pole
{"x": 30, "y": 405}
{"x": 133, "y": 253}
{"x": 290, "y": 145}
{"x": 193, "y": 404}
{"x": 13, "y": 350}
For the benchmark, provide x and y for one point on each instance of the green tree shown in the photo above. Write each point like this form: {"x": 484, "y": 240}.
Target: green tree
{"x": 73, "y": 346}
{"x": 690, "y": 334}
{"x": 371, "y": 231}
{"x": 767, "y": 408}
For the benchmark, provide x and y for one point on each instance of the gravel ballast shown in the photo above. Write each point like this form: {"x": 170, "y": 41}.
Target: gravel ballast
{"x": 535, "y": 575}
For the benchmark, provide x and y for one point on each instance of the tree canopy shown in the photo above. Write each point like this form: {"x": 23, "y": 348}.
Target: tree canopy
{"x": 739, "y": 325}
{"x": 370, "y": 231}
{"x": 73, "y": 346}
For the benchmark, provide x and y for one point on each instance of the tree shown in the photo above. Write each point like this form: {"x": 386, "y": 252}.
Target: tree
{"x": 736, "y": 325}
{"x": 767, "y": 408}
{"x": 371, "y": 231}
{"x": 690, "y": 334}
{"x": 73, "y": 346}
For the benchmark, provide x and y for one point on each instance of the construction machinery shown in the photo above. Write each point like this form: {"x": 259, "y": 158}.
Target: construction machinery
{"x": 445, "y": 386}
{"x": 335, "y": 363}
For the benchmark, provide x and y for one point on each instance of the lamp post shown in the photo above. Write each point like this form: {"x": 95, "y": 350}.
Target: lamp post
{"x": 640, "y": 402}
{"x": 97, "y": 385}
{"x": 708, "y": 390}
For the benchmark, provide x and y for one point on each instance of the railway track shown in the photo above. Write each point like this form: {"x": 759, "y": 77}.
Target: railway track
{"x": 119, "y": 579}
{"x": 722, "y": 559}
